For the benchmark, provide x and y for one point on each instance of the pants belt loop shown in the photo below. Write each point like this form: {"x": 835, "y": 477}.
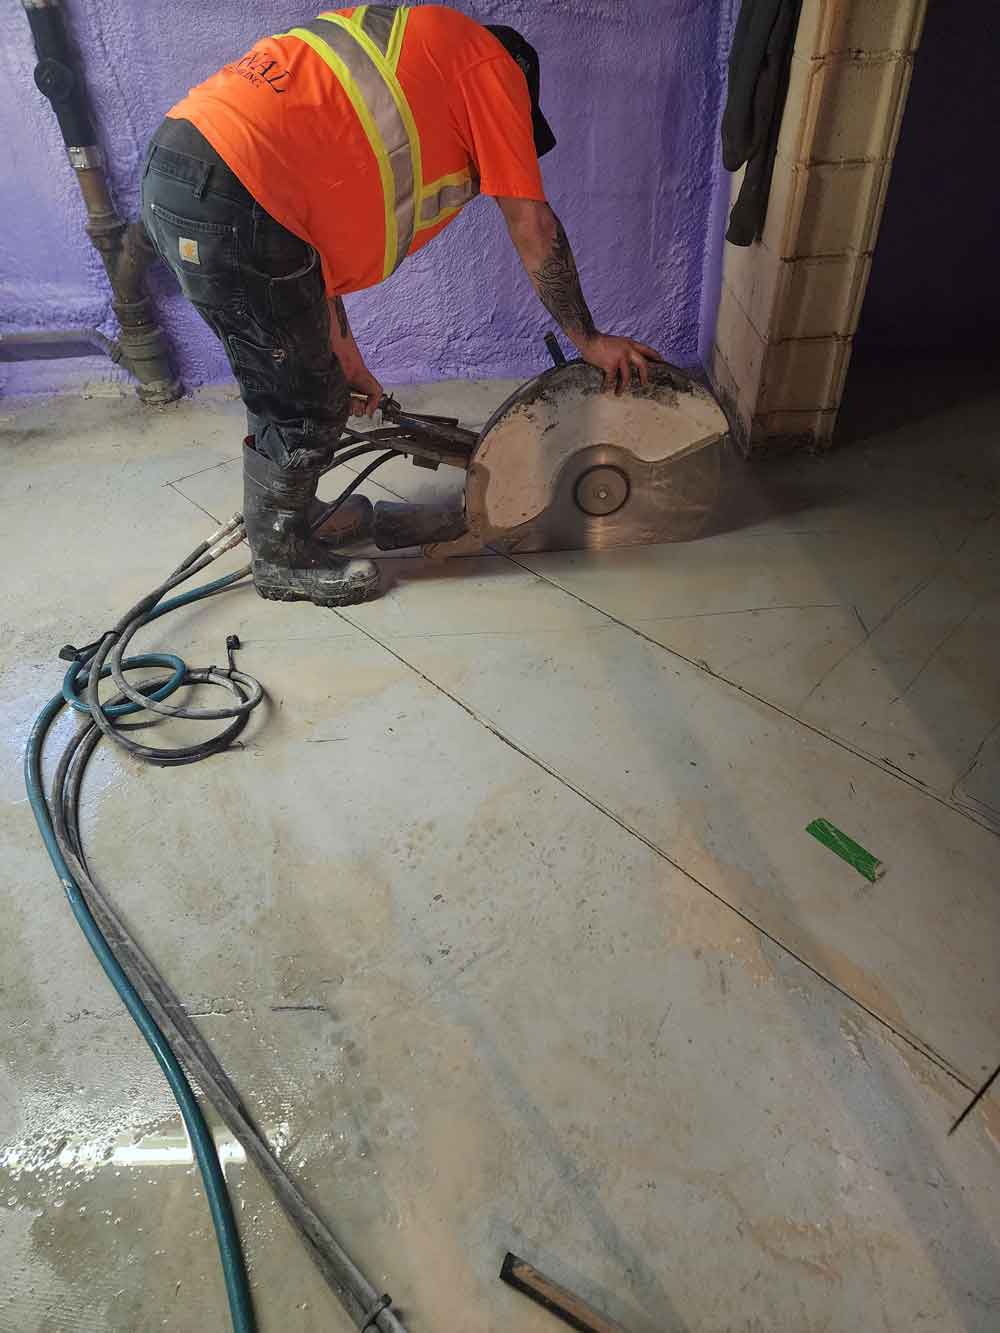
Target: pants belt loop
{"x": 201, "y": 185}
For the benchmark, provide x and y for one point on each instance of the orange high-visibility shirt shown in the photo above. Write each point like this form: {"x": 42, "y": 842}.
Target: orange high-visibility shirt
{"x": 285, "y": 125}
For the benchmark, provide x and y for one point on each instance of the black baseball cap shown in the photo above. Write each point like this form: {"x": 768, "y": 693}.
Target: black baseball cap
{"x": 527, "y": 57}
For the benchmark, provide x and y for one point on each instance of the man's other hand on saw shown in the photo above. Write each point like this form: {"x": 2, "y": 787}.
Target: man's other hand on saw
{"x": 618, "y": 358}
{"x": 545, "y": 252}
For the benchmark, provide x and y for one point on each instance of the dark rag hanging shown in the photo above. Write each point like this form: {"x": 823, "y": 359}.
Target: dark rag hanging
{"x": 759, "y": 64}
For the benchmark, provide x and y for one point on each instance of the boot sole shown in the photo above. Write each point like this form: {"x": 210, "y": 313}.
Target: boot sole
{"x": 347, "y": 598}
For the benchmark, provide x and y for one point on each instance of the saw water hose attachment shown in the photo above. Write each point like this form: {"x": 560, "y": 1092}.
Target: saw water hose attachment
{"x": 161, "y": 1018}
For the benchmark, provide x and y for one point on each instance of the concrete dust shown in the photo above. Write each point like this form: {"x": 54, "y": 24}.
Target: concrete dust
{"x": 819, "y": 1248}
{"x": 722, "y": 937}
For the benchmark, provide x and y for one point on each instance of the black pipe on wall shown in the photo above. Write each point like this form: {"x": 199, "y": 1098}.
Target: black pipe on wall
{"x": 55, "y": 76}
{"x": 123, "y": 247}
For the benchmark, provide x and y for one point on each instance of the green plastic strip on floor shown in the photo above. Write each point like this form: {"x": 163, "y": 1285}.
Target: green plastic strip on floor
{"x": 846, "y": 848}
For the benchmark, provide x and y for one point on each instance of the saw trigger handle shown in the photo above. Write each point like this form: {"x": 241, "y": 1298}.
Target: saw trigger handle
{"x": 555, "y": 351}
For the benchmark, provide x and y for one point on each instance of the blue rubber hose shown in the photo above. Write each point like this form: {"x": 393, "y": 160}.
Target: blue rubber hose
{"x": 220, "y": 1206}
{"x": 60, "y": 834}
{"x": 196, "y": 594}
{"x": 78, "y": 668}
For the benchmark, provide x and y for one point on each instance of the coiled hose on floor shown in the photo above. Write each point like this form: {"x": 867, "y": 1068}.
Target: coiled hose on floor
{"x": 152, "y": 1005}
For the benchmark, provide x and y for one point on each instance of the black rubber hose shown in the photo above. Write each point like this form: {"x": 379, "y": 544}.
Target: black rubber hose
{"x": 246, "y": 690}
{"x": 367, "y": 1308}
{"x": 358, "y": 480}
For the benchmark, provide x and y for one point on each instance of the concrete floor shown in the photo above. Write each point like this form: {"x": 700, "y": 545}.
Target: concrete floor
{"x": 505, "y": 919}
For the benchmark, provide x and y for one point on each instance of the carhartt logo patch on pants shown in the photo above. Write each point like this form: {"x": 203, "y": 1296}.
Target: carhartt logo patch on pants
{"x": 189, "y": 250}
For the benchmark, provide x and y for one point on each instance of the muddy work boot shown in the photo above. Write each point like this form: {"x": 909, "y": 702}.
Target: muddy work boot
{"x": 401, "y": 525}
{"x": 289, "y": 564}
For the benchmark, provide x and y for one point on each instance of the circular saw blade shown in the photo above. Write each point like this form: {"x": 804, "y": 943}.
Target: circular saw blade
{"x": 600, "y": 491}
{"x": 538, "y": 454}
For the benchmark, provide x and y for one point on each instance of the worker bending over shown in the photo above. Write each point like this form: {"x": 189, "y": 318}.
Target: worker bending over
{"x": 312, "y": 167}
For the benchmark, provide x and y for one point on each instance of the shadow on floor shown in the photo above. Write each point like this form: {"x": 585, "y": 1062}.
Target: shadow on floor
{"x": 888, "y": 390}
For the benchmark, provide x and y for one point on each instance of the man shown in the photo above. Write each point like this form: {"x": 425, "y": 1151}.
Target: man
{"x": 311, "y": 168}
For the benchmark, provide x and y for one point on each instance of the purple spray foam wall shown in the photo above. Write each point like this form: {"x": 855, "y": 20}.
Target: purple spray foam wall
{"x": 633, "y": 89}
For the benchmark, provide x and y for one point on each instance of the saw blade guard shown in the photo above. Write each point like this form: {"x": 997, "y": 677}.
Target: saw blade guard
{"x": 565, "y": 465}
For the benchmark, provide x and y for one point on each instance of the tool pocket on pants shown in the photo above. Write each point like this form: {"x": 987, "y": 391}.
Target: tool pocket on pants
{"x": 290, "y": 297}
{"x": 203, "y": 256}
{"x": 259, "y": 369}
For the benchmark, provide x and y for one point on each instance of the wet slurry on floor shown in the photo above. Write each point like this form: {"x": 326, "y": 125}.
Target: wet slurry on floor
{"x": 504, "y": 919}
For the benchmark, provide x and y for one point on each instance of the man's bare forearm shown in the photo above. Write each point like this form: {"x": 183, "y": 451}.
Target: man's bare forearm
{"x": 541, "y": 241}
{"x": 341, "y": 336}
{"x": 545, "y": 252}
{"x": 362, "y": 382}
{"x": 557, "y": 282}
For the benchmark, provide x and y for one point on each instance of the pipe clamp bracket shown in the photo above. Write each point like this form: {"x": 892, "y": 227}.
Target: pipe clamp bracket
{"x": 87, "y": 158}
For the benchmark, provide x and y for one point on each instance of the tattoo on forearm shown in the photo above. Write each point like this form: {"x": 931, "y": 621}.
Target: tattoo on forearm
{"x": 342, "y": 323}
{"x": 558, "y": 285}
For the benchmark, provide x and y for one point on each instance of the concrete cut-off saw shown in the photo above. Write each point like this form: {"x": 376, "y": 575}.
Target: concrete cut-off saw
{"x": 563, "y": 464}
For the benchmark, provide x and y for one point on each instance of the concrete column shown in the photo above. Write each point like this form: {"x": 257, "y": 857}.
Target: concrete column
{"x": 789, "y": 303}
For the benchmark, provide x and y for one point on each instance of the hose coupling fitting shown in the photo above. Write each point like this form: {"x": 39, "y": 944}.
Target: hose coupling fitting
{"x": 229, "y": 526}
{"x": 226, "y": 543}
{"x": 70, "y": 653}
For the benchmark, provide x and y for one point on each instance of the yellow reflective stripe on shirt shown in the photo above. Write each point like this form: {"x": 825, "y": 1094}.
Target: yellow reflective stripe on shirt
{"x": 384, "y": 24}
{"x": 406, "y": 116}
{"x": 395, "y": 47}
{"x": 453, "y": 178}
{"x": 363, "y": 52}
{"x": 378, "y": 24}
{"x": 346, "y": 80}
{"x": 446, "y": 196}
{"x": 449, "y": 211}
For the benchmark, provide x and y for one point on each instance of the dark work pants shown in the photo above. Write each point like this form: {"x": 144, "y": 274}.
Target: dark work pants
{"x": 258, "y": 287}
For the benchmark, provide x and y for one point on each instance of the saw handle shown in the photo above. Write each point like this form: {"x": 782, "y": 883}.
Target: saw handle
{"x": 555, "y": 351}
